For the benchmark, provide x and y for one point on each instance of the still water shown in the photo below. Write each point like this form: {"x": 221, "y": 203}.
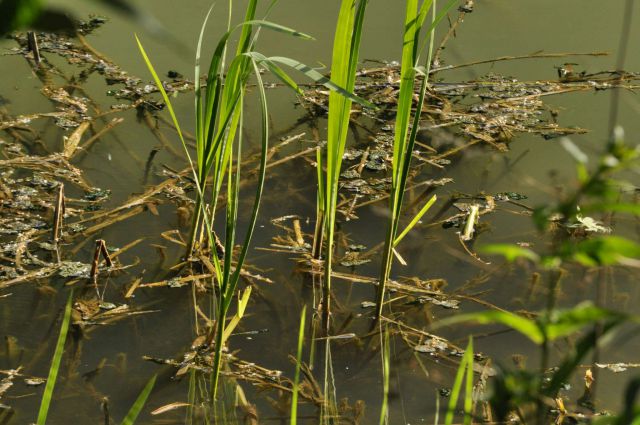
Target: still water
{"x": 495, "y": 28}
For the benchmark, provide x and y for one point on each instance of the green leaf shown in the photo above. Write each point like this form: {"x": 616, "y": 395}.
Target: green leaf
{"x": 510, "y": 252}
{"x": 318, "y": 78}
{"x": 277, "y": 27}
{"x": 526, "y": 327}
{"x": 275, "y": 70}
{"x": 415, "y": 220}
{"x": 566, "y": 322}
{"x": 602, "y": 251}
{"x": 137, "y": 406}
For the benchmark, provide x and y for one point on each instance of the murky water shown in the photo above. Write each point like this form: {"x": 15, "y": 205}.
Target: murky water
{"x": 117, "y": 162}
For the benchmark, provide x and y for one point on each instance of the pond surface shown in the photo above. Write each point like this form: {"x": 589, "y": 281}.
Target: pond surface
{"x": 108, "y": 360}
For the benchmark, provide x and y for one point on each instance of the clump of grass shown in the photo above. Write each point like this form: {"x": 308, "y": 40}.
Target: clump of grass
{"x": 218, "y": 118}
{"x": 405, "y": 137}
{"x": 55, "y": 363}
{"x": 217, "y": 165}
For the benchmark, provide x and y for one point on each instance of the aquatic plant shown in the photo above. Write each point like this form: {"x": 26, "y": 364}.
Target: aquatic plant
{"x": 218, "y": 115}
{"x": 346, "y": 47}
{"x": 405, "y": 137}
{"x": 55, "y": 363}
{"x": 463, "y": 374}
{"x": 527, "y": 393}
{"x": 218, "y": 123}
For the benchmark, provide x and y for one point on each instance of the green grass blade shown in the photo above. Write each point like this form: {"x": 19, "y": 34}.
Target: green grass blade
{"x": 403, "y": 114}
{"x": 415, "y": 220}
{"x": 343, "y": 64}
{"x": 386, "y": 364}
{"x": 467, "y": 362}
{"x": 264, "y": 120}
{"x": 167, "y": 102}
{"x": 526, "y": 327}
{"x": 137, "y": 406}
{"x": 468, "y": 389}
{"x": 245, "y": 37}
{"x": 356, "y": 37}
{"x": 198, "y": 88}
{"x": 278, "y": 28}
{"x": 319, "y": 173}
{"x": 314, "y": 75}
{"x": 275, "y": 70}
{"x": 436, "y": 20}
{"x": 55, "y": 363}
{"x": 296, "y": 377}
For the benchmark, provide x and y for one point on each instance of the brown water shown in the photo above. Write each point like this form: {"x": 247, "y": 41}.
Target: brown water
{"x": 496, "y": 28}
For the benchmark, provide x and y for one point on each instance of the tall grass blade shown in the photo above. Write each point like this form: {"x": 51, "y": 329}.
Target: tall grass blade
{"x": 344, "y": 61}
{"x": 55, "y": 363}
{"x": 138, "y": 405}
{"x": 230, "y": 281}
{"x": 296, "y": 376}
{"x": 404, "y": 140}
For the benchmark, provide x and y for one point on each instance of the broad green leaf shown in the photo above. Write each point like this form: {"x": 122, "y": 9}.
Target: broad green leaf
{"x": 510, "y": 252}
